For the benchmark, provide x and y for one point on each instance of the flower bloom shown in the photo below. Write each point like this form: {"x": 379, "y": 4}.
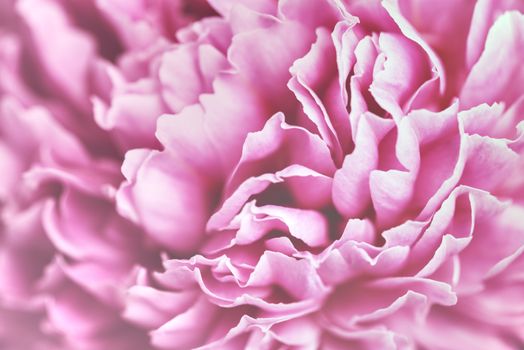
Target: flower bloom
{"x": 327, "y": 174}
{"x": 66, "y": 255}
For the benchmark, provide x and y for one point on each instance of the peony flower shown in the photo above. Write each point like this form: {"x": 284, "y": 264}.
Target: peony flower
{"x": 217, "y": 174}
{"x": 66, "y": 255}
{"x": 339, "y": 181}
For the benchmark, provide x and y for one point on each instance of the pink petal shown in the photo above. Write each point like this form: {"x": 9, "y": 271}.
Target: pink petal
{"x": 503, "y": 43}
{"x": 314, "y": 14}
{"x": 151, "y": 308}
{"x": 404, "y": 70}
{"x": 263, "y": 57}
{"x": 132, "y": 114}
{"x": 279, "y": 145}
{"x": 485, "y": 14}
{"x": 296, "y": 277}
{"x": 351, "y": 191}
{"x": 392, "y": 7}
{"x": 256, "y": 185}
{"x": 69, "y": 73}
{"x": 310, "y": 84}
{"x": 187, "y": 72}
{"x": 224, "y": 6}
{"x": 161, "y": 193}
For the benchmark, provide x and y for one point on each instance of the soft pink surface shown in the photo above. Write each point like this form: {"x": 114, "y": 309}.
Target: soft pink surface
{"x": 327, "y": 174}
